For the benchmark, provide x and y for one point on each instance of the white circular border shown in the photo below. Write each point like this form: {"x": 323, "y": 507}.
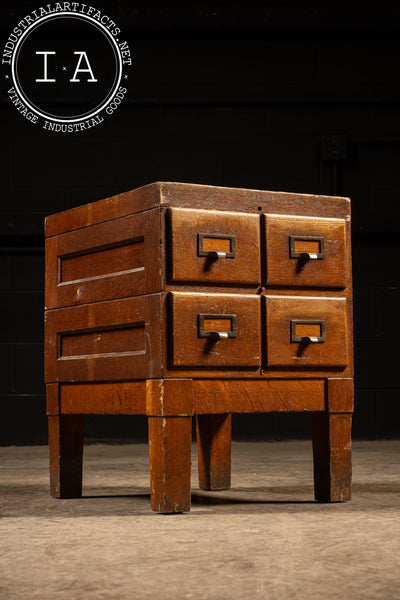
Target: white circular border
{"x": 84, "y": 18}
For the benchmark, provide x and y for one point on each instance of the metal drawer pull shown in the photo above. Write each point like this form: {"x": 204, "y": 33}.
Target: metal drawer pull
{"x": 216, "y": 246}
{"x": 303, "y": 332}
{"x": 306, "y": 247}
{"x": 204, "y": 326}
{"x": 222, "y": 334}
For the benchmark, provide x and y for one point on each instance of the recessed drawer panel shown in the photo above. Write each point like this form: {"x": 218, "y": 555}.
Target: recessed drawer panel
{"x": 92, "y": 264}
{"x": 215, "y": 330}
{"x": 214, "y": 246}
{"x": 305, "y": 252}
{"x": 97, "y": 342}
{"x": 306, "y": 332}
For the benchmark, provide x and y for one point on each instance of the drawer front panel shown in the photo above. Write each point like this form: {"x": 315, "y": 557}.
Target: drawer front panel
{"x": 111, "y": 260}
{"x": 214, "y": 246}
{"x": 215, "y": 330}
{"x": 96, "y": 342}
{"x": 306, "y": 332}
{"x": 305, "y": 252}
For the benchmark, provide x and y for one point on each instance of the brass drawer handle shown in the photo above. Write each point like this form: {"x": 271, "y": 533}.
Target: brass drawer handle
{"x": 211, "y": 249}
{"x": 306, "y": 332}
{"x": 308, "y": 247}
{"x": 209, "y": 333}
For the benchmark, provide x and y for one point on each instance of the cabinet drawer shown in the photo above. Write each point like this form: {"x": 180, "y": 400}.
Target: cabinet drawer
{"x": 92, "y": 264}
{"x": 214, "y": 246}
{"x": 97, "y": 342}
{"x": 305, "y": 251}
{"x": 215, "y": 330}
{"x": 306, "y": 332}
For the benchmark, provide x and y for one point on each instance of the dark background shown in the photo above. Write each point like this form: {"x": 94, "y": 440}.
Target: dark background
{"x": 294, "y": 96}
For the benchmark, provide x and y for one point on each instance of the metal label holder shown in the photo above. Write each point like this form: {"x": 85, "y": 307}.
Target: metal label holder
{"x": 311, "y": 339}
{"x": 216, "y": 334}
{"x": 216, "y": 253}
{"x": 305, "y": 238}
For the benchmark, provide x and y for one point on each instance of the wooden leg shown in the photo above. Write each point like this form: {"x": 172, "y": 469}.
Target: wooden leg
{"x": 332, "y": 456}
{"x": 170, "y": 462}
{"x": 66, "y": 452}
{"x": 214, "y": 451}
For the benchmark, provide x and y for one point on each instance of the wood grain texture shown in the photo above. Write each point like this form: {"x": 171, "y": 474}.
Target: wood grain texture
{"x": 187, "y": 265}
{"x": 76, "y": 248}
{"x": 169, "y": 397}
{"x": 305, "y": 245}
{"x": 101, "y": 262}
{"x": 349, "y": 295}
{"x": 52, "y": 399}
{"x": 153, "y": 251}
{"x": 120, "y": 285}
{"x": 122, "y": 363}
{"x": 188, "y": 349}
{"x": 222, "y": 325}
{"x": 154, "y": 335}
{"x": 259, "y": 290}
{"x": 117, "y": 398}
{"x": 340, "y": 395}
{"x": 264, "y": 374}
{"x": 215, "y": 244}
{"x": 332, "y": 456}
{"x": 104, "y": 262}
{"x": 282, "y": 270}
{"x": 51, "y": 273}
{"x": 103, "y": 341}
{"x": 170, "y": 455}
{"x": 125, "y": 286}
{"x": 197, "y": 196}
{"x": 307, "y": 329}
{"x": 282, "y": 352}
{"x": 224, "y": 372}
{"x": 115, "y": 207}
{"x": 214, "y": 451}
{"x": 256, "y": 201}
{"x": 66, "y": 452}
{"x": 247, "y": 396}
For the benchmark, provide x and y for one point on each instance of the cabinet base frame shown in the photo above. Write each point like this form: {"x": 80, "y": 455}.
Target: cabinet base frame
{"x": 170, "y": 405}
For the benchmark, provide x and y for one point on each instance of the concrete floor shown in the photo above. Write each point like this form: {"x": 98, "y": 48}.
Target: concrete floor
{"x": 265, "y": 538}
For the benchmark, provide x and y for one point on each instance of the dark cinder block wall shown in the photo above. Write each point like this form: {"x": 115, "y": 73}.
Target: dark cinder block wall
{"x": 297, "y": 96}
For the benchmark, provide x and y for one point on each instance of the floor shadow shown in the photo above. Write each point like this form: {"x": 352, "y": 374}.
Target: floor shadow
{"x": 107, "y": 496}
{"x": 205, "y": 500}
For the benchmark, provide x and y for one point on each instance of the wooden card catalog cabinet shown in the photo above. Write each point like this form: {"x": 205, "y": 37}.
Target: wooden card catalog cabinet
{"x": 177, "y": 300}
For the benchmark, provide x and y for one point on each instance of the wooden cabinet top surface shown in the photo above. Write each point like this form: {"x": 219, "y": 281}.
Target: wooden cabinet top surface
{"x": 165, "y": 194}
